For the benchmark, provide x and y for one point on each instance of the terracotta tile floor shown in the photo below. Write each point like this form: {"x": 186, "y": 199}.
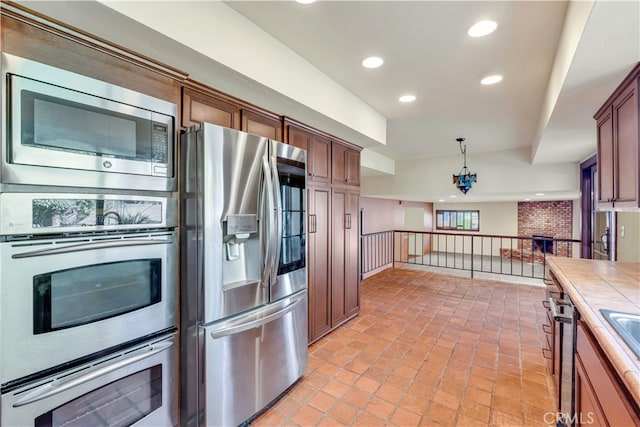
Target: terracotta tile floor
{"x": 427, "y": 349}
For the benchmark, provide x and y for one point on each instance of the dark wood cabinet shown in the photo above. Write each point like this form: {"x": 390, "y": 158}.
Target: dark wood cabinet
{"x": 352, "y": 254}
{"x": 261, "y": 123}
{"x": 334, "y": 276}
{"x": 201, "y": 104}
{"x": 319, "y": 261}
{"x": 618, "y": 153}
{"x": 318, "y": 148}
{"x": 199, "y": 107}
{"x": 600, "y": 396}
{"x": 345, "y": 164}
{"x": 41, "y": 41}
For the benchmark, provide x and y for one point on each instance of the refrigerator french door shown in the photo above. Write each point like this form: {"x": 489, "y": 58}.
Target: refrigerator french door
{"x": 244, "y": 276}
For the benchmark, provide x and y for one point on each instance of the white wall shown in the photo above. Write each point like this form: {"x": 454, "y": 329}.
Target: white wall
{"x": 628, "y": 246}
{"x": 500, "y": 218}
{"x": 502, "y": 176}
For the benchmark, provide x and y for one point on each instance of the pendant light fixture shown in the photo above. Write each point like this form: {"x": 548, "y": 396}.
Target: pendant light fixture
{"x": 464, "y": 179}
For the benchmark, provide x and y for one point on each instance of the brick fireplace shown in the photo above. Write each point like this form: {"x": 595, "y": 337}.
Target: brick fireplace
{"x": 542, "y": 221}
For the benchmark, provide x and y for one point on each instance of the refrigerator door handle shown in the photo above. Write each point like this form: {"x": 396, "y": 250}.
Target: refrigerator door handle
{"x": 267, "y": 218}
{"x": 277, "y": 212}
{"x": 268, "y": 315}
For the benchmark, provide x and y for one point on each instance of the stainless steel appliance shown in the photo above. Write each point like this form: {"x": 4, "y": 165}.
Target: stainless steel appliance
{"x": 132, "y": 387}
{"x": 62, "y": 128}
{"x": 244, "y": 286}
{"x": 566, "y": 316}
{"x": 68, "y": 296}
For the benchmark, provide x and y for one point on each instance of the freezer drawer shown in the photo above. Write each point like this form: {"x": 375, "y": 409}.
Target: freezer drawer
{"x": 251, "y": 359}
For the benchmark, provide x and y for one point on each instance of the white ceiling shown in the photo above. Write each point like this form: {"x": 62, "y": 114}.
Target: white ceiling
{"x": 428, "y": 53}
{"x": 560, "y": 61}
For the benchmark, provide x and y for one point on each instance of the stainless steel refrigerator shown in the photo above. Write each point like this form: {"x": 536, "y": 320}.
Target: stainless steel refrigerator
{"x": 243, "y": 273}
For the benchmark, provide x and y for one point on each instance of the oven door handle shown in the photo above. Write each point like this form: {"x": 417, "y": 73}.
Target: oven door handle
{"x": 92, "y": 246}
{"x": 559, "y": 317}
{"x": 59, "y": 386}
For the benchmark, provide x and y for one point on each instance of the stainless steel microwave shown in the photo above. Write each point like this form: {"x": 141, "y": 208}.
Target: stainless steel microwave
{"x": 62, "y": 128}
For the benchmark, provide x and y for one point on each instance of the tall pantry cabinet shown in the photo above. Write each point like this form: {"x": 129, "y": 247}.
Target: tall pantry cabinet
{"x": 333, "y": 178}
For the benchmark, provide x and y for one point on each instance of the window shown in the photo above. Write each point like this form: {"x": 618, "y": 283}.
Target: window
{"x": 458, "y": 220}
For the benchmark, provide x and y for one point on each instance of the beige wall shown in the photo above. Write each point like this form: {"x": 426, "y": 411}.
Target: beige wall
{"x": 499, "y": 218}
{"x": 629, "y": 244}
{"x": 387, "y": 214}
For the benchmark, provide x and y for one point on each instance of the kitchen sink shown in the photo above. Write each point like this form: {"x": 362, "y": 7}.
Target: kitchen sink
{"x": 627, "y": 325}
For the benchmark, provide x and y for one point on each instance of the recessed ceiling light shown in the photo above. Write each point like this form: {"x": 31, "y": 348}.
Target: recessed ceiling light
{"x": 491, "y": 80}
{"x": 305, "y": 1}
{"x": 526, "y": 200}
{"x": 441, "y": 200}
{"x": 407, "y": 98}
{"x": 372, "y": 62}
{"x": 539, "y": 194}
{"x": 453, "y": 197}
{"x": 482, "y": 28}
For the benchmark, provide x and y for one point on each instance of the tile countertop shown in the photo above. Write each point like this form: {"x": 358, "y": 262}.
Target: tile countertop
{"x": 593, "y": 285}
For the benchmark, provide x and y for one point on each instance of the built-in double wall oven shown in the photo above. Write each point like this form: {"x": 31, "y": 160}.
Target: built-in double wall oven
{"x": 88, "y": 252}
{"x": 86, "y": 277}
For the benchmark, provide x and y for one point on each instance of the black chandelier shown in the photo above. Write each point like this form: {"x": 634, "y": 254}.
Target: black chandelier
{"x": 464, "y": 179}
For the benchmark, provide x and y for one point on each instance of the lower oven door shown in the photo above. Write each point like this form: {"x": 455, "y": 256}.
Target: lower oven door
{"x": 63, "y": 301}
{"x": 135, "y": 387}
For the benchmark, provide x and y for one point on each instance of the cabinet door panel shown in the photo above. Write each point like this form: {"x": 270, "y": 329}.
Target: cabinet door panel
{"x": 587, "y": 407}
{"x": 319, "y": 205}
{"x": 352, "y": 255}
{"x": 353, "y": 167}
{"x": 198, "y": 108}
{"x": 339, "y": 263}
{"x": 259, "y": 124}
{"x": 338, "y": 163}
{"x": 626, "y": 113}
{"x": 320, "y": 158}
{"x": 605, "y": 159}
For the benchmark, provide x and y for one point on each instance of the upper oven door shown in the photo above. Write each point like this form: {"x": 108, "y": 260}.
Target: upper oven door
{"x": 62, "y": 300}
{"x": 132, "y": 387}
{"x": 59, "y": 122}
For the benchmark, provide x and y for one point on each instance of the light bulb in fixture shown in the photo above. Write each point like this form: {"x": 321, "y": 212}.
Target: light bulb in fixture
{"x": 407, "y": 98}
{"x": 372, "y": 62}
{"x": 491, "y": 80}
{"x": 482, "y": 28}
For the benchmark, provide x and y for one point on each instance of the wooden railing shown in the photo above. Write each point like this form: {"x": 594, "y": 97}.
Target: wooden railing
{"x": 511, "y": 255}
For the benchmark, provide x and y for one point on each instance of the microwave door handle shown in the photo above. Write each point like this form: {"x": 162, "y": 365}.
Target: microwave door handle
{"x": 267, "y": 214}
{"x": 91, "y": 246}
{"x": 277, "y": 238}
{"x": 56, "y": 387}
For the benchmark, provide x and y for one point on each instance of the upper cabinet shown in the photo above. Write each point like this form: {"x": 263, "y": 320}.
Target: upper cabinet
{"x": 618, "y": 136}
{"x": 345, "y": 166}
{"x": 199, "y": 107}
{"x": 318, "y": 150}
{"x": 261, "y": 123}
{"x": 201, "y": 104}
